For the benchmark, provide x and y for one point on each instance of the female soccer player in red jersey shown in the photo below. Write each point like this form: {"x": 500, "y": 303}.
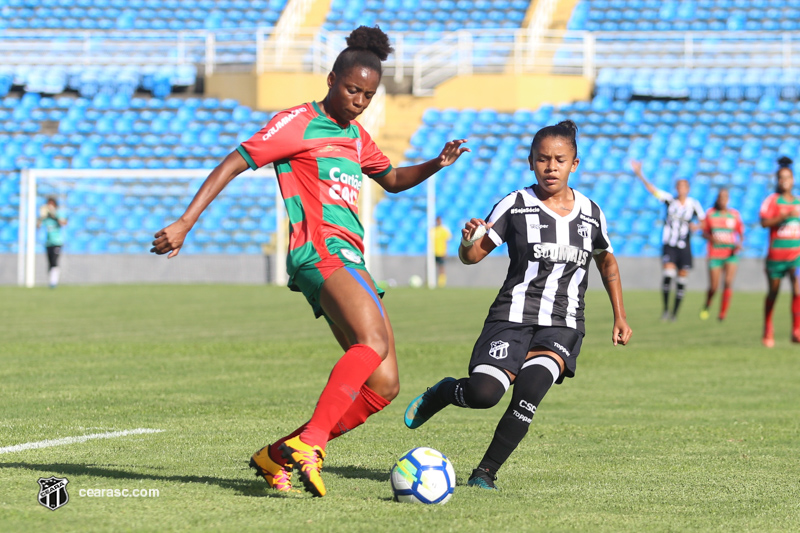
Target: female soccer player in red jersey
{"x": 780, "y": 212}
{"x": 534, "y": 330}
{"x": 320, "y": 154}
{"x": 724, "y": 231}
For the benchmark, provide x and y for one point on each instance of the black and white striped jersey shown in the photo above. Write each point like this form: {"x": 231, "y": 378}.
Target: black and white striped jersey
{"x": 676, "y": 225}
{"x": 550, "y": 256}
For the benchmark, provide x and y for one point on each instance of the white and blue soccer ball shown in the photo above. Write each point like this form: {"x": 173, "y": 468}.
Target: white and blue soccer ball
{"x": 423, "y": 475}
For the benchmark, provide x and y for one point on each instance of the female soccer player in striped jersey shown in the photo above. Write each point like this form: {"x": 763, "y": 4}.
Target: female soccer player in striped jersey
{"x": 780, "y": 212}
{"x": 724, "y": 231}
{"x": 321, "y": 154}
{"x": 676, "y": 237}
{"x": 534, "y": 330}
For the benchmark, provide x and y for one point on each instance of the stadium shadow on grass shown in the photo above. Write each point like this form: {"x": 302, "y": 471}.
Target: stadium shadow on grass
{"x": 256, "y": 487}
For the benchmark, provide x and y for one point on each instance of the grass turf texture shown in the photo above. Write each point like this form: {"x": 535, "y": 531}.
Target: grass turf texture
{"x": 694, "y": 426}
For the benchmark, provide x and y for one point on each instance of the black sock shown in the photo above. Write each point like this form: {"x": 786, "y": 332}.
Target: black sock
{"x": 666, "y": 284}
{"x": 479, "y": 391}
{"x": 531, "y": 385}
{"x": 679, "y": 290}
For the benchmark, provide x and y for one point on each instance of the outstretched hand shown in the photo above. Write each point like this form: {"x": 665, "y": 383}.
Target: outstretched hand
{"x": 451, "y": 152}
{"x": 636, "y": 166}
{"x": 170, "y": 239}
{"x": 621, "y": 333}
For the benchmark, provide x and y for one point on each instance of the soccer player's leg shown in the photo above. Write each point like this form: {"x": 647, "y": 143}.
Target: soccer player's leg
{"x": 731, "y": 265}
{"x": 552, "y": 358}
{"x": 793, "y": 277}
{"x": 670, "y": 270}
{"x": 501, "y": 346}
{"x": 350, "y": 301}
{"x": 714, "y": 274}
{"x": 774, "y": 275}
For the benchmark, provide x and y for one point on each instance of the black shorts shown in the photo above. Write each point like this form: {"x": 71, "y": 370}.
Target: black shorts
{"x": 53, "y": 253}
{"x": 682, "y": 257}
{"x": 439, "y": 260}
{"x": 505, "y": 345}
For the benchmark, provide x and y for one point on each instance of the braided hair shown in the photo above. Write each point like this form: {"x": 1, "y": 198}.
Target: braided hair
{"x": 366, "y": 47}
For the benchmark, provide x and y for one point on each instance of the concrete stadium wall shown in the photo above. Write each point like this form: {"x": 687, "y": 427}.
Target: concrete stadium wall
{"x": 637, "y": 273}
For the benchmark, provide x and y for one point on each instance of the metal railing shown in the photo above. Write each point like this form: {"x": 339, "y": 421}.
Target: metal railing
{"x": 427, "y": 59}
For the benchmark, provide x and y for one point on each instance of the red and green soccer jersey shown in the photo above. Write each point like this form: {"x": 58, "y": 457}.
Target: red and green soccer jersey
{"x": 320, "y": 167}
{"x": 784, "y": 239}
{"x": 726, "y": 231}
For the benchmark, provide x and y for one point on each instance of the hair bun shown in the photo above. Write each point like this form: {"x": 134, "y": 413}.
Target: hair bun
{"x": 568, "y": 125}
{"x": 785, "y": 162}
{"x": 372, "y": 39}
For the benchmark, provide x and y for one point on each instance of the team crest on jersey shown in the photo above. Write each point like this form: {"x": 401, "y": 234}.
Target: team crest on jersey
{"x": 53, "y": 492}
{"x": 499, "y": 349}
{"x": 351, "y": 256}
{"x": 584, "y": 231}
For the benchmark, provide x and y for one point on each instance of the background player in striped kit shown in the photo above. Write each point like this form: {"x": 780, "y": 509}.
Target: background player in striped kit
{"x": 780, "y": 212}
{"x": 676, "y": 237}
{"x": 321, "y": 154}
{"x": 534, "y": 329}
{"x": 724, "y": 231}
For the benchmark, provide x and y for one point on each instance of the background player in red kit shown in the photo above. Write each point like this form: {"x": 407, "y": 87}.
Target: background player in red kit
{"x": 780, "y": 212}
{"x": 321, "y": 155}
{"x": 724, "y": 231}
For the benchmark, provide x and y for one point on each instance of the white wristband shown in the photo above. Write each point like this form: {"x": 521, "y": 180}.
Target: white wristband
{"x": 466, "y": 243}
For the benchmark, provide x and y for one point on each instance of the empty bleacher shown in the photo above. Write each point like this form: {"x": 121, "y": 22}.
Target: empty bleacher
{"x": 712, "y": 144}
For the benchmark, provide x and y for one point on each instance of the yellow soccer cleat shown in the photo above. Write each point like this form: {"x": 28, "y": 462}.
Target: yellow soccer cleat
{"x": 277, "y": 477}
{"x": 307, "y": 460}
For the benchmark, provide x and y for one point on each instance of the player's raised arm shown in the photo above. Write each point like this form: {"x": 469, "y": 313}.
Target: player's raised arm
{"x": 636, "y": 166}
{"x": 609, "y": 273}
{"x": 170, "y": 239}
{"x": 404, "y": 178}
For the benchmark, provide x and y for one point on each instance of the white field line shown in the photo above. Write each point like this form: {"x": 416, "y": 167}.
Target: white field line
{"x": 75, "y": 440}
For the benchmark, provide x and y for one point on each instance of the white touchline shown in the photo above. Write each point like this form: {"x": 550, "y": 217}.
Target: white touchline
{"x": 75, "y": 440}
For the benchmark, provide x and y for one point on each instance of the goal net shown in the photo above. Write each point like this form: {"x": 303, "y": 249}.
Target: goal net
{"x": 112, "y": 215}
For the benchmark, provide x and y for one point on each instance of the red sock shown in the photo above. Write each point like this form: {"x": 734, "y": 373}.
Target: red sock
{"x": 367, "y": 404}
{"x": 795, "y": 314}
{"x": 769, "y": 304}
{"x": 709, "y": 297}
{"x": 346, "y": 379}
{"x": 726, "y": 300}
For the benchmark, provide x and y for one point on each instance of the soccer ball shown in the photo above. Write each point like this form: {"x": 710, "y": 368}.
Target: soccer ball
{"x": 423, "y": 475}
{"x": 415, "y": 281}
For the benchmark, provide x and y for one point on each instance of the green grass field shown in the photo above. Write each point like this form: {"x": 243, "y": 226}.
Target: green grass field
{"x": 693, "y": 426}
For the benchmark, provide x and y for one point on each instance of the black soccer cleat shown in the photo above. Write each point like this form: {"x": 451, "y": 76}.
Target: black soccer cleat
{"x": 482, "y": 479}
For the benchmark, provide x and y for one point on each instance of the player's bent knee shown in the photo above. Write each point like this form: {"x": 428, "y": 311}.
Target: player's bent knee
{"x": 484, "y": 390}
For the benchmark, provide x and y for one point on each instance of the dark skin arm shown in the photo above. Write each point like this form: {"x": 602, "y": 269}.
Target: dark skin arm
{"x": 771, "y": 222}
{"x": 170, "y": 239}
{"x": 402, "y": 179}
{"x": 609, "y": 273}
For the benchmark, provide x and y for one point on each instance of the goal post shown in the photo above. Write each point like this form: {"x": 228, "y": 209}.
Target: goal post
{"x": 133, "y": 191}
{"x": 122, "y": 188}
